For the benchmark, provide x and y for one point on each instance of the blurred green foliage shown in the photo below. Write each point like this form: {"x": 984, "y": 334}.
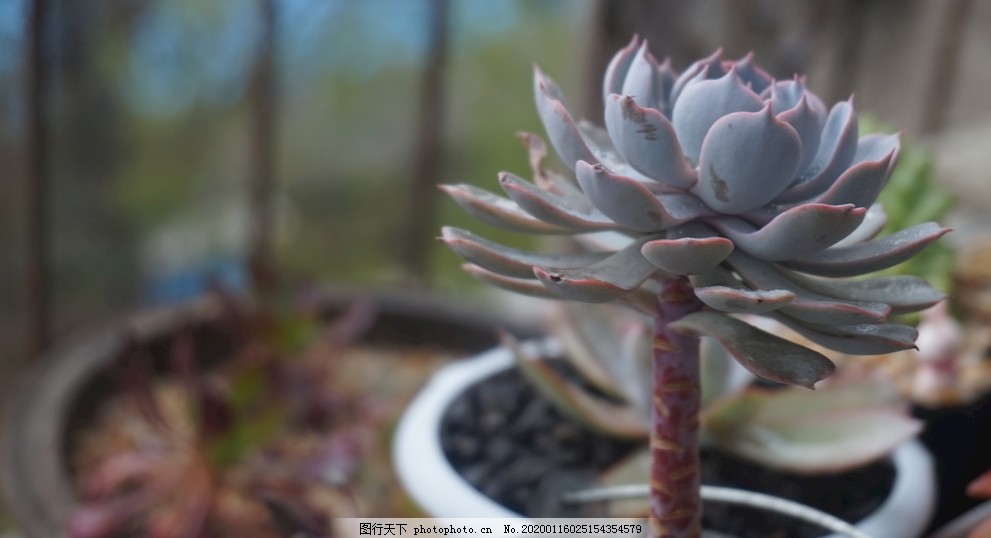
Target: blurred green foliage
{"x": 912, "y": 196}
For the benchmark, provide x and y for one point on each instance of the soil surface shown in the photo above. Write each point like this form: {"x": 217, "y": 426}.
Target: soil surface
{"x": 515, "y": 447}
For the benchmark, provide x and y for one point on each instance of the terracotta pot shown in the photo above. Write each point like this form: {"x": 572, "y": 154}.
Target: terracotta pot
{"x": 62, "y": 390}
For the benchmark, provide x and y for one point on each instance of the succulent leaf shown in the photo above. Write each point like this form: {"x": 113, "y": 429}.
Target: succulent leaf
{"x": 710, "y": 67}
{"x": 807, "y": 306}
{"x": 549, "y": 180}
{"x": 876, "y": 146}
{"x": 858, "y": 339}
{"x": 805, "y": 433}
{"x": 799, "y": 231}
{"x": 874, "y": 221}
{"x": 598, "y": 414}
{"x": 747, "y": 158}
{"x": 804, "y": 120}
{"x": 751, "y": 75}
{"x": 564, "y": 135}
{"x": 631, "y": 203}
{"x": 687, "y": 255}
{"x": 641, "y": 81}
{"x": 618, "y": 66}
{"x": 550, "y": 208}
{"x": 860, "y": 184}
{"x": 869, "y": 256}
{"x": 646, "y": 139}
{"x": 902, "y": 293}
{"x": 741, "y": 301}
{"x": 703, "y": 103}
{"x": 762, "y": 353}
{"x": 836, "y": 150}
{"x": 603, "y": 281}
{"x": 498, "y": 211}
{"x": 529, "y": 287}
{"x": 508, "y": 261}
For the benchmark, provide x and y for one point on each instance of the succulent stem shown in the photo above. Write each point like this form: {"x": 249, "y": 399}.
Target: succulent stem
{"x": 675, "y": 500}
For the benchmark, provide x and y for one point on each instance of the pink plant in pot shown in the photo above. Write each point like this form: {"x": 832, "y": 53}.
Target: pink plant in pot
{"x": 729, "y": 193}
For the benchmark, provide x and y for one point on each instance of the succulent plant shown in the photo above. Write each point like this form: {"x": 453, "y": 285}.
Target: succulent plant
{"x": 850, "y": 421}
{"x": 732, "y": 193}
{"x": 201, "y": 454}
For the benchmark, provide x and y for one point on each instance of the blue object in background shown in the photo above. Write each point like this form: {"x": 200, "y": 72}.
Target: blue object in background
{"x": 231, "y": 273}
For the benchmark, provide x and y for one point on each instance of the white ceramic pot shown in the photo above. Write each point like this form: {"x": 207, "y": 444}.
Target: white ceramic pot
{"x": 441, "y": 492}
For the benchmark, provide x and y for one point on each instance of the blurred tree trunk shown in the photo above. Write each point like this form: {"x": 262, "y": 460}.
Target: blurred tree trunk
{"x": 428, "y": 157}
{"x": 945, "y": 67}
{"x": 37, "y": 266}
{"x": 261, "y": 181}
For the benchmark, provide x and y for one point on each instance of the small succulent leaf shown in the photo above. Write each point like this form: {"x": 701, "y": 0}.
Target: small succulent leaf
{"x": 739, "y": 301}
{"x": 629, "y": 202}
{"x": 620, "y": 273}
{"x": 981, "y": 487}
{"x": 666, "y": 77}
{"x": 641, "y": 81}
{"x": 746, "y": 160}
{"x": 497, "y": 211}
{"x": 702, "y": 103}
{"x": 874, "y": 221}
{"x": 549, "y": 180}
{"x": 860, "y": 184}
{"x": 809, "y": 441}
{"x": 564, "y": 135}
{"x": 529, "y": 287}
{"x": 797, "y": 232}
{"x": 785, "y": 94}
{"x": 836, "y": 150}
{"x": 710, "y": 67}
{"x": 598, "y": 414}
{"x": 551, "y": 208}
{"x": 606, "y": 153}
{"x": 869, "y": 256}
{"x": 803, "y": 119}
{"x": 861, "y": 339}
{"x": 687, "y": 255}
{"x": 721, "y": 374}
{"x": 902, "y": 293}
{"x": 590, "y": 339}
{"x": 750, "y": 74}
{"x": 635, "y": 371}
{"x": 806, "y": 305}
{"x": 645, "y": 138}
{"x": 764, "y": 354}
{"x": 876, "y": 146}
{"x": 717, "y": 276}
{"x": 838, "y": 395}
{"x": 508, "y": 261}
{"x": 618, "y": 66}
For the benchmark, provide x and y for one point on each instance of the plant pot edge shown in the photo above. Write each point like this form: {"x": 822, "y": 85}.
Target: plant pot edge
{"x": 440, "y": 491}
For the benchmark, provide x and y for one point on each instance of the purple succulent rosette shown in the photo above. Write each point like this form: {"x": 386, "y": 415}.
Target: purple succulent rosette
{"x": 749, "y": 186}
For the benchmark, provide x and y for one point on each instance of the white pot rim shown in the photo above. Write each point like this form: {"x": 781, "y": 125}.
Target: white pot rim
{"x": 441, "y": 492}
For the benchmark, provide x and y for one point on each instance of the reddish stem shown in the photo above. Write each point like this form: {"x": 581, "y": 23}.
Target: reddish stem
{"x": 675, "y": 500}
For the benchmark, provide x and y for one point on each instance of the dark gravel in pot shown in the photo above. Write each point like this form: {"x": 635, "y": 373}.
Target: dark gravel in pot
{"x": 515, "y": 447}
